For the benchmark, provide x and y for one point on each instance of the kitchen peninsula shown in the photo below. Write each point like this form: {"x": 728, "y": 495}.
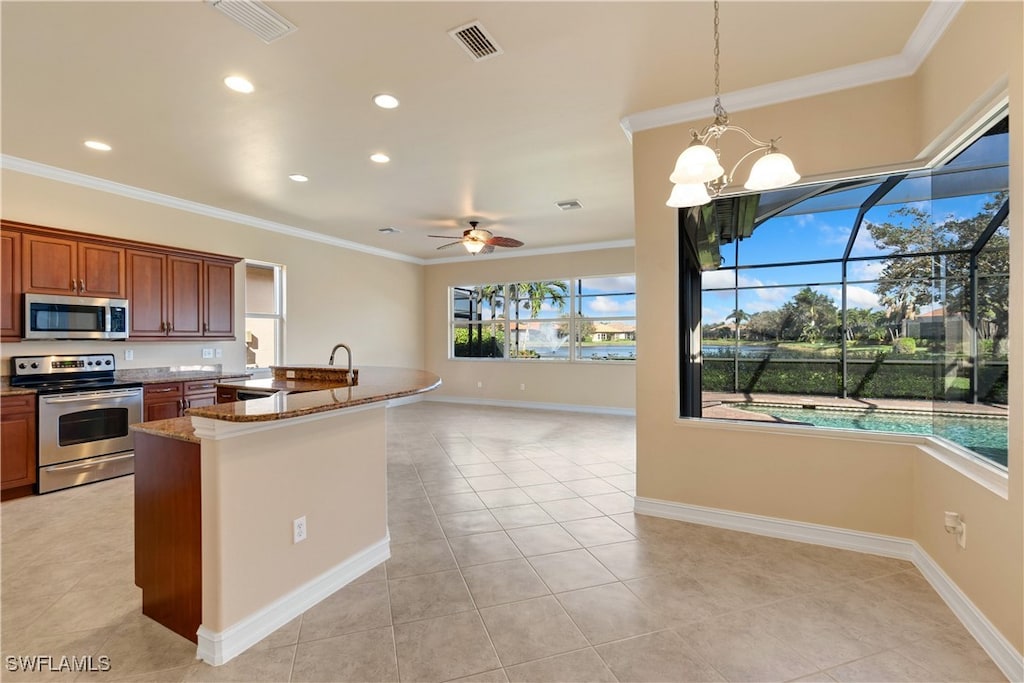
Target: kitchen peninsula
{"x": 220, "y": 495}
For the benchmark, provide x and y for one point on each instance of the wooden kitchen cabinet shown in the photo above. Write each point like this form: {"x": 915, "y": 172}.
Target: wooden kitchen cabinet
{"x": 10, "y": 286}
{"x": 162, "y": 401}
{"x": 59, "y": 265}
{"x": 147, "y": 307}
{"x": 200, "y": 393}
{"x": 17, "y": 445}
{"x": 180, "y": 297}
{"x": 173, "y": 294}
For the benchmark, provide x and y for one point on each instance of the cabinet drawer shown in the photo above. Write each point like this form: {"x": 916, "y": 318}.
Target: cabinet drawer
{"x": 225, "y": 395}
{"x": 165, "y": 390}
{"x": 21, "y": 403}
{"x": 205, "y": 386}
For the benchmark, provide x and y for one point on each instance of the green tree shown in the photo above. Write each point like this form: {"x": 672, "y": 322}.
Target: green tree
{"x": 810, "y": 316}
{"x": 907, "y": 284}
{"x": 740, "y": 316}
{"x": 765, "y": 325}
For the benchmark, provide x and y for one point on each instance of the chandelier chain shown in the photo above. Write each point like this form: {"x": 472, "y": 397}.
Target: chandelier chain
{"x": 721, "y": 117}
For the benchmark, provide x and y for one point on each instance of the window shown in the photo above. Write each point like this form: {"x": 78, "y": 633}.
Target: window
{"x": 592, "y": 319}
{"x": 890, "y": 292}
{"x": 264, "y": 314}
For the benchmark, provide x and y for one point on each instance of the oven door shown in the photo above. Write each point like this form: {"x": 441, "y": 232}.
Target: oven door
{"x": 81, "y": 425}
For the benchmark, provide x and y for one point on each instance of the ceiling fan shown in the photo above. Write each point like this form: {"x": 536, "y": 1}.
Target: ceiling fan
{"x": 478, "y": 241}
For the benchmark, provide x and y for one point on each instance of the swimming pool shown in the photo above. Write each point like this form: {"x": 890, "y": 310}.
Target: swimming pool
{"x": 986, "y": 436}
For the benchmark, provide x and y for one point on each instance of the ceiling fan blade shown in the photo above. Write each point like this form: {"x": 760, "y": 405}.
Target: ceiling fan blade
{"x": 450, "y": 244}
{"x": 447, "y": 237}
{"x": 487, "y": 249}
{"x": 504, "y": 242}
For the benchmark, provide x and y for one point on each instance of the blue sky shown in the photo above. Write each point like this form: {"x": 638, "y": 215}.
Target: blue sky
{"x": 814, "y": 236}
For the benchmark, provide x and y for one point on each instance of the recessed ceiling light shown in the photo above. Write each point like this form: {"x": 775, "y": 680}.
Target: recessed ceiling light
{"x": 390, "y": 230}
{"x": 239, "y": 84}
{"x": 385, "y": 101}
{"x": 98, "y": 146}
{"x": 380, "y": 158}
{"x": 298, "y": 177}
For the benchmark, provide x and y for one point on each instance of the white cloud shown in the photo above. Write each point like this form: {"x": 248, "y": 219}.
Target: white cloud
{"x": 856, "y": 297}
{"x": 613, "y": 306}
{"x": 621, "y": 283}
{"x": 866, "y": 270}
{"x": 716, "y": 279}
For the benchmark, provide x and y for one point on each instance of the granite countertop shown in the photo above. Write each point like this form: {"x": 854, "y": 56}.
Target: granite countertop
{"x": 7, "y": 390}
{"x": 376, "y": 384}
{"x": 179, "y": 428}
{"x": 158, "y": 375}
{"x": 271, "y": 384}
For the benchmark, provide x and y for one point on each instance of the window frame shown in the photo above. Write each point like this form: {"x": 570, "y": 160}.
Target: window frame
{"x": 506, "y": 320}
{"x": 278, "y": 317}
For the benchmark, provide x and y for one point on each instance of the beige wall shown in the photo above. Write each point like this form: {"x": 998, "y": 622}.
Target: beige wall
{"x": 606, "y": 385}
{"x": 868, "y": 486}
{"x": 333, "y": 294}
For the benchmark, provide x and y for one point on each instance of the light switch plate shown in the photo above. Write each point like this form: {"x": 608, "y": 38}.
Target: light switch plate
{"x": 207, "y": 353}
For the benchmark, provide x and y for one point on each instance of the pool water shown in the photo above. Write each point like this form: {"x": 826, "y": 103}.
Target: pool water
{"x": 986, "y": 436}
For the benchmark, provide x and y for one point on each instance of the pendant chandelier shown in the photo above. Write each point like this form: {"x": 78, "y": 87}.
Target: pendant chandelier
{"x": 699, "y": 176}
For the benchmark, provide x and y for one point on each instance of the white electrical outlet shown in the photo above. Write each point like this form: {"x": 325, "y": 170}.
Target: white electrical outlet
{"x": 479, "y": 385}
{"x": 299, "y": 529}
{"x": 129, "y": 354}
{"x": 289, "y": 374}
{"x": 522, "y": 387}
{"x": 207, "y": 353}
{"x": 961, "y": 538}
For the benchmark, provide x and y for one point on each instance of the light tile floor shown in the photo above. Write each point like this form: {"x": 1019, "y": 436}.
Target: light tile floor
{"x": 515, "y": 557}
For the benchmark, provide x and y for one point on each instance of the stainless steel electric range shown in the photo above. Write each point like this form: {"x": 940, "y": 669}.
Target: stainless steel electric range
{"x": 84, "y": 415}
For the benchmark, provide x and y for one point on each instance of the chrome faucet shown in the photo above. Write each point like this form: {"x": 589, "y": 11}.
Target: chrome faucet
{"x": 348, "y": 351}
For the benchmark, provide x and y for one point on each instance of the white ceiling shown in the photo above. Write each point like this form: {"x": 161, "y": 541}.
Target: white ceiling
{"x": 499, "y": 140}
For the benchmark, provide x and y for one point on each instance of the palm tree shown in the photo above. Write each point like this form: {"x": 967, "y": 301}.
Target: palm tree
{"x": 535, "y": 294}
{"x": 740, "y": 316}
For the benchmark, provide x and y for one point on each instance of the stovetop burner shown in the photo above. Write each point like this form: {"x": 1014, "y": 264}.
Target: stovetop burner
{"x": 60, "y": 374}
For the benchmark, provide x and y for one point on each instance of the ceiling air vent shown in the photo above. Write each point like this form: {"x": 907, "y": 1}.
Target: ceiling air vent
{"x": 256, "y": 17}
{"x": 569, "y": 204}
{"x": 475, "y": 40}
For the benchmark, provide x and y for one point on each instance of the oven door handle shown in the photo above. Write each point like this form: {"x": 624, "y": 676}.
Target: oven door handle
{"x": 81, "y": 465}
{"x": 78, "y": 398}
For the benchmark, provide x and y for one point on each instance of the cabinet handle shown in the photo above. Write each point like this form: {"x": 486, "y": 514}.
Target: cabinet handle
{"x": 184, "y": 405}
{"x": 74, "y": 286}
{"x": 81, "y": 285}
{"x": 161, "y": 391}
{"x": 206, "y": 328}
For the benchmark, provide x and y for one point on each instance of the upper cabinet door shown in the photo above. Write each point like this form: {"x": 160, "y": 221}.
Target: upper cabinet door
{"x": 184, "y": 296}
{"x": 49, "y": 265}
{"x": 219, "y": 314}
{"x": 10, "y": 286}
{"x": 147, "y": 282}
{"x": 101, "y": 270}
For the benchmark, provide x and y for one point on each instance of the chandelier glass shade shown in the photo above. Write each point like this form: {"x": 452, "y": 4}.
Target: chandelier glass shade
{"x": 699, "y": 176}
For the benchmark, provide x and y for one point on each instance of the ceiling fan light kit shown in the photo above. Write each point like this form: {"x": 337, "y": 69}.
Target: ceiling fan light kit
{"x": 699, "y": 176}
{"x": 477, "y": 240}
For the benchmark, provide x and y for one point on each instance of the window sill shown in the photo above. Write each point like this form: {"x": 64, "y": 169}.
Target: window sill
{"x": 954, "y": 456}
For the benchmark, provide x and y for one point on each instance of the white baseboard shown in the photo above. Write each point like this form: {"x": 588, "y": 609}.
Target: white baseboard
{"x": 404, "y": 400}
{"x": 533, "y": 405}
{"x": 1002, "y": 652}
{"x": 216, "y": 648}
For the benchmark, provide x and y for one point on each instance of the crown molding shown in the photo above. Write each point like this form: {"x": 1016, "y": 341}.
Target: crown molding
{"x": 93, "y": 183}
{"x": 927, "y": 33}
{"x": 540, "y": 251}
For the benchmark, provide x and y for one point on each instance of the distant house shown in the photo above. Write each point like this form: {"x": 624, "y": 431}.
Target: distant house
{"x": 605, "y": 331}
{"x": 937, "y": 325}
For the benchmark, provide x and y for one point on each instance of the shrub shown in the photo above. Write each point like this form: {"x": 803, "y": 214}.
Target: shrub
{"x": 904, "y": 345}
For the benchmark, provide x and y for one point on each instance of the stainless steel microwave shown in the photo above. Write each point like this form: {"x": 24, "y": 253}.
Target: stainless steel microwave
{"x": 49, "y": 316}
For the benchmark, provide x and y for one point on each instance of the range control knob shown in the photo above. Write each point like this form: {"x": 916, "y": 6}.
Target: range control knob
{"x": 108, "y": 362}
{"x": 22, "y": 366}
{"x": 35, "y": 365}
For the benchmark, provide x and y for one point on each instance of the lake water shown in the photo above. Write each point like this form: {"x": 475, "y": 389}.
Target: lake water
{"x": 609, "y": 352}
